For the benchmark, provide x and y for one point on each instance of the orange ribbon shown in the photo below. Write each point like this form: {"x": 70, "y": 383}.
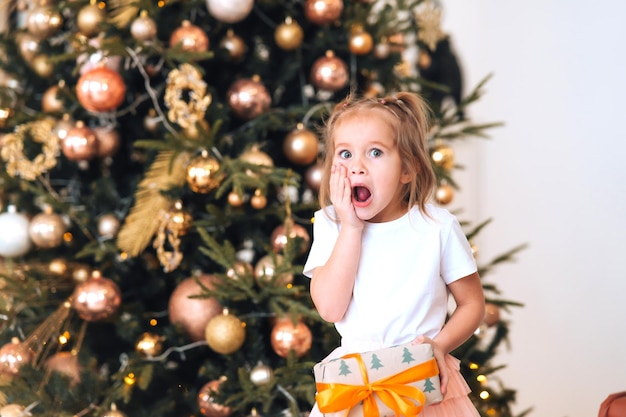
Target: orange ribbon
{"x": 393, "y": 391}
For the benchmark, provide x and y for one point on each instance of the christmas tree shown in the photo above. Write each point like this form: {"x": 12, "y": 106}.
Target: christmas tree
{"x": 159, "y": 173}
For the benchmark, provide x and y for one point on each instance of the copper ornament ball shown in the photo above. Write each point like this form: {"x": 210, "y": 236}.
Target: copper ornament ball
{"x": 492, "y": 314}
{"x": 265, "y": 271}
{"x": 235, "y": 45}
{"x": 301, "y": 146}
{"x": 287, "y": 336}
{"x": 193, "y": 314}
{"x": 97, "y": 298}
{"x": 206, "y": 401}
{"x": 190, "y": 38}
{"x": 80, "y": 143}
{"x": 258, "y": 201}
{"x": 46, "y": 229}
{"x": 248, "y": 98}
{"x": 235, "y": 200}
{"x": 360, "y": 42}
{"x": 100, "y": 89}
{"x": 322, "y": 12}
{"x": 329, "y": 73}
{"x": 108, "y": 141}
{"x": 65, "y": 363}
{"x": 51, "y": 102}
{"x": 313, "y": 176}
{"x": 444, "y": 194}
{"x": 281, "y": 236}
{"x": 14, "y": 355}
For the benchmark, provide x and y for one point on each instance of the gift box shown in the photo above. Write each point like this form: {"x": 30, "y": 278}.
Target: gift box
{"x": 388, "y": 382}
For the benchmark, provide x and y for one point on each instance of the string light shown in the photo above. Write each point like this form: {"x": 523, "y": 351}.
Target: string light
{"x": 484, "y": 395}
{"x": 481, "y": 378}
{"x": 130, "y": 379}
{"x": 153, "y": 322}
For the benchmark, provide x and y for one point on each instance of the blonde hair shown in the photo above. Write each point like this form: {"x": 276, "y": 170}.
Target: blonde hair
{"x": 409, "y": 117}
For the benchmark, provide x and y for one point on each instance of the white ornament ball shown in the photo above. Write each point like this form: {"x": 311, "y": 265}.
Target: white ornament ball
{"x": 14, "y": 239}
{"x": 230, "y": 11}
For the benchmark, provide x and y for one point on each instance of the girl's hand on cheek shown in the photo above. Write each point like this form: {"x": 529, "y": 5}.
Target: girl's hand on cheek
{"x": 341, "y": 196}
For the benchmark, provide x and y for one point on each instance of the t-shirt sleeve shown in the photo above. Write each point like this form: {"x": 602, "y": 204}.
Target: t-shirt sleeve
{"x": 325, "y": 233}
{"x": 457, "y": 260}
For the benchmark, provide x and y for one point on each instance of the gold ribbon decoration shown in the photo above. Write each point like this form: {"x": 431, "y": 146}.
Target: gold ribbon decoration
{"x": 186, "y": 79}
{"x": 393, "y": 391}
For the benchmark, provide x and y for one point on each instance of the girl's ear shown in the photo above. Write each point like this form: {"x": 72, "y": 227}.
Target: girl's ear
{"x": 405, "y": 177}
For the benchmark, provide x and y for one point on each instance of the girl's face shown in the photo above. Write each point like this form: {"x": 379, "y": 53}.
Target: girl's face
{"x": 365, "y": 146}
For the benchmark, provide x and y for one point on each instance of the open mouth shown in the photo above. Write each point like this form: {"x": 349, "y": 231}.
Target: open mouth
{"x": 361, "y": 194}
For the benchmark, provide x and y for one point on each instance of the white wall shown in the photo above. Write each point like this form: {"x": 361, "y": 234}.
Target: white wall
{"x": 554, "y": 177}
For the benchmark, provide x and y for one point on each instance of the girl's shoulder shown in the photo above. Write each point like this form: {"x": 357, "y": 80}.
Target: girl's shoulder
{"x": 434, "y": 214}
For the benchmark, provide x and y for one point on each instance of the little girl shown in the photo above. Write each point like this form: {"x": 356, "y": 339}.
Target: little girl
{"x": 384, "y": 259}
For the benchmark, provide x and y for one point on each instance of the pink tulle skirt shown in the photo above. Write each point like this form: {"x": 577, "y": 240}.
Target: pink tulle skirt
{"x": 455, "y": 403}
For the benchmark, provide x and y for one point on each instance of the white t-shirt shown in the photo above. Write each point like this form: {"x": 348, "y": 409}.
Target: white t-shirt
{"x": 400, "y": 291}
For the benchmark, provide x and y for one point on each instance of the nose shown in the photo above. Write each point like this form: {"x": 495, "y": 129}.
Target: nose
{"x": 357, "y": 167}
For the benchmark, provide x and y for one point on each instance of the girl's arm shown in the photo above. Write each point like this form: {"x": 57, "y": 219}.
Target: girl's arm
{"x": 469, "y": 312}
{"x": 332, "y": 283}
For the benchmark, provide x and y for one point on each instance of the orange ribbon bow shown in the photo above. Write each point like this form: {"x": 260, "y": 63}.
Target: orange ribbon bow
{"x": 393, "y": 391}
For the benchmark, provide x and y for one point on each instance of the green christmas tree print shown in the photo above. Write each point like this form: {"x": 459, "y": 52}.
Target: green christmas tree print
{"x": 376, "y": 363}
{"x": 344, "y": 369}
{"x": 428, "y": 385}
{"x": 407, "y": 357}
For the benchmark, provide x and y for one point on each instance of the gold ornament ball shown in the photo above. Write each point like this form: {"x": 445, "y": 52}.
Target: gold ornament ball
{"x": 209, "y": 407}
{"x": 190, "y": 38}
{"x": 65, "y": 363}
{"x": 80, "y": 143}
{"x": 100, "y": 89}
{"x": 108, "y": 141}
{"x": 261, "y": 374}
{"x": 43, "y": 21}
{"x": 289, "y": 35}
{"x": 89, "y": 20}
{"x": 258, "y": 201}
{"x": 360, "y": 42}
{"x": 234, "y": 44}
{"x": 108, "y": 226}
{"x": 313, "y": 176}
{"x": 46, "y": 229}
{"x": 234, "y": 199}
{"x": 58, "y": 267}
{"x": 287, "y": 336}
{"x": 280, "y": 236}
{"x": 43, "y": 66}
{"x": 492, "y": 314}
{"x": 255, "y": 156}
{"x": 143, "y": 28}
{"x": 265, "y": 271}
{"x": 62, "y": 127}
{"x": 13, "y": 410}
{"x": 14, "y": 355}
{"x": 322, "y": 12}
{"x": 193, "y": 314}
{"x": 230, "y": 11}
{"x": 444, "y": 194}
{"x": 81, "y": 273}
{"x": 443, "y": 156}
{"x": 149, "y": 345}
{"x": 239, "y": 269}
{"x": 27, "y": 45}
{"x": 329, "y": 73}
{"x": 152, "y": 121}
{"x": 97, "y": 298}
{"x": 301, "y": 146}
{"x": 248, "y": 98}
{"x": 51, "y": 102}
{"x": 225, "y": 333}
{"x": 203, "y": 173}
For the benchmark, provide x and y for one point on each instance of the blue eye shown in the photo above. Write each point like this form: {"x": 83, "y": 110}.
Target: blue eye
{"x": 376, "y": 153}
{"x": 345, "y": 154}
